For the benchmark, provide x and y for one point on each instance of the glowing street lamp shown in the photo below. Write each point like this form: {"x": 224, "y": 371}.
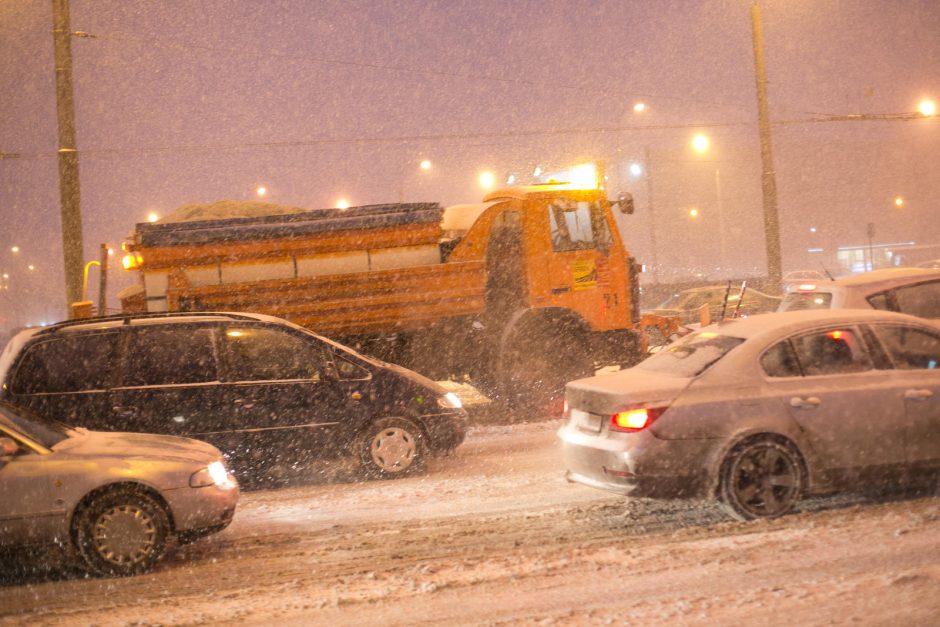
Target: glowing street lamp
{"x": 15, "y": 249}
{"x": 639, "y": 107}
{"x": 152, "y": 217}
{"x": 700, "y": 143}
{"x": 927, "y": 108}
{"x": 636, "y": 169}
{"x": 898, "y": 202}
{"x": 425, "y": 165}
{"x": 262, "y": 191}
{"x": 693, "y": 213}
{"x": 487, "y": 179}
{"x": 342, "y": 203}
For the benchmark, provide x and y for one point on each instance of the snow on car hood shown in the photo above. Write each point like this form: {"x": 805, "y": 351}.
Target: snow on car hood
{"x": 137, "y": 445}
{"x": 613, "y": 392}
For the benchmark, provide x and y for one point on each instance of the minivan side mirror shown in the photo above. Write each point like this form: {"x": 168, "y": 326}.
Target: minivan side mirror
{"x": 8, "y": 447}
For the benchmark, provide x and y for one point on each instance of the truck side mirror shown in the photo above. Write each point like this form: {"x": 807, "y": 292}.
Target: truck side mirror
{"x": 625, "y": 203}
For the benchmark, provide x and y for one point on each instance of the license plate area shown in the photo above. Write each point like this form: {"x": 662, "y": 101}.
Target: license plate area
{"x": 587, "y": 422}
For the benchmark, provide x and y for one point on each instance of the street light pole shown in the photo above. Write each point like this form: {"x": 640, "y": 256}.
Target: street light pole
{"x": 69, "y": 196}
{"x": 649, "y": 203}
{"x": 768, "y": 179}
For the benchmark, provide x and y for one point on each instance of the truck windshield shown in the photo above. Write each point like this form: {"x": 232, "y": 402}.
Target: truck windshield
{"x": 578, "y": 225}
{"x": 692, "y": 355}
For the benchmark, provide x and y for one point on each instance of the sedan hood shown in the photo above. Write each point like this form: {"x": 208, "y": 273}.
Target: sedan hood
{"x": 136, "y": 445}
{"x": 611, "y": 393}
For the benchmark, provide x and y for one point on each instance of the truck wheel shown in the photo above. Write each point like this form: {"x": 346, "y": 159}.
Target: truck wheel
{"x": 390, "y": 448}
{"x": 121, "y": 532}
{"x": 539, "y": 360}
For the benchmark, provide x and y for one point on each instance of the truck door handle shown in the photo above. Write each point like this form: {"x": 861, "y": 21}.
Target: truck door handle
{"x": 917, "y": 395}
{"x": 810, "y": 402}
{"x": 123, "y": 412}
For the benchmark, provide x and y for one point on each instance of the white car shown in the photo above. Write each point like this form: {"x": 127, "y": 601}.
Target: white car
{"x": 762, "y": 411}
{"x": 914, "y": 291}
{"x": 113, "y": 498}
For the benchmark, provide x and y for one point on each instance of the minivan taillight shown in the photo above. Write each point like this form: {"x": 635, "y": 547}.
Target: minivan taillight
{"x": 636, "y": 419}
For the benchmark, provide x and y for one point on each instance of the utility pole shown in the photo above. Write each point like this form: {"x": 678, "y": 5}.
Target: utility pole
{"x": 69, "y": 197}
{"x": 768, "y": 179}
{"x": 652, "y": 217}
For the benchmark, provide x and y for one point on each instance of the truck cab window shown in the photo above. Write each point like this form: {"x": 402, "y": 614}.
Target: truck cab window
{"x": 578, "y": 225}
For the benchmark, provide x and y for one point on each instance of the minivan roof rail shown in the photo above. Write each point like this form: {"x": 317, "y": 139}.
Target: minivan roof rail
{"x": 127, "y": 318}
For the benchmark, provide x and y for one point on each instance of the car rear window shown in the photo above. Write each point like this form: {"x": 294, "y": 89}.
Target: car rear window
{"x": 799, "y": 301}
{"x": 691, "y": 356}
{"x": 67, "y": 364}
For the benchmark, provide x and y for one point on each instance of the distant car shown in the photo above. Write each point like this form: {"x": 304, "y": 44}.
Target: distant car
{"x": 685, "y": 305}
{"x": 793, "y": 279}
{"x": 115, "y": 498}
{"x": 914, "y": 291}
{"x": 270, "y": 394}
{"x": 761, "y": 412}
{"x": 933, "y": 264}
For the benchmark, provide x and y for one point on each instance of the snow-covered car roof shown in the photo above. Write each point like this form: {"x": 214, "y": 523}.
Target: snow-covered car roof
{"x": 782, "y": 323}
{"x": 881, "y": 278}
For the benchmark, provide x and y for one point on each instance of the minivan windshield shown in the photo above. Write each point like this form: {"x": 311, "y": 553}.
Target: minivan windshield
{"x": 692, "y": 355}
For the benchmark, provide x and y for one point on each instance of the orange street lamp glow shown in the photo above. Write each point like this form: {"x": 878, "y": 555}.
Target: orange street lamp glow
{"x": 425, "y": 165}
{"x": 15, "y": 249}
{"x": 342, "y": 203}
{"x": 639, "y": 107}
{"x": 898, "y": 202}
{"x": 262, "y": 191}
{"x": 152, "y": 217}
{"x": 693, "y": 212}
{"x": 487, "y": 180}
{"x": 700, "y": 143}
{"x": 927, "y": 108}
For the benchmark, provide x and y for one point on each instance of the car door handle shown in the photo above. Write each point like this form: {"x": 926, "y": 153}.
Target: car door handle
{"x": 243, "y": 403}
{"x": 810, "y": 402}
{"x": 123, "y": 412}
{"x": 917, "y": 395}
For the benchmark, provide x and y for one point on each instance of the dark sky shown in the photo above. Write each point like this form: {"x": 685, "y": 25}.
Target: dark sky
{"x": 195, "y": 101}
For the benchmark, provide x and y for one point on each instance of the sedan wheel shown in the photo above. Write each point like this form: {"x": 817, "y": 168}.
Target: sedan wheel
{"x": 121, "y": 533}
{"x": 761, "y": 479}
{"x": 391, "y": 447}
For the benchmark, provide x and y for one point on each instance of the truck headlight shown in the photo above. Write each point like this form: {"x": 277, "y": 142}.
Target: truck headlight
{"x": 213, "y": 474}
{"x": 450, "y": 401}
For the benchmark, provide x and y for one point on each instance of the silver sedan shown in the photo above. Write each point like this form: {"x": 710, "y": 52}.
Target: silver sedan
{"x": 760, "y": 412}
{"x": 114, "y": 498}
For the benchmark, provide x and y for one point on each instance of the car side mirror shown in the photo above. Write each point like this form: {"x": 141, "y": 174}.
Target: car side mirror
{"x": 625, "y": 203}
{"x": 8, "y": 447}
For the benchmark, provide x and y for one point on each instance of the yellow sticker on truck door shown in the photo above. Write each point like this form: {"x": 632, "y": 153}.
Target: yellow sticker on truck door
{"x": 584, "y": 273}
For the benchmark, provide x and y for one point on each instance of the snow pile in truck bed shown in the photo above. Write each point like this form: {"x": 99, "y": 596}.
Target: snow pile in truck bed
{"x": 225, "y": 209}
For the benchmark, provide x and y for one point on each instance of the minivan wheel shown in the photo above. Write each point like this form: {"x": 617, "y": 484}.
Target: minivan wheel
{"x": 761, "y": 478}
{"x": 121, "y": 532}
{"x": 391, "y": 448}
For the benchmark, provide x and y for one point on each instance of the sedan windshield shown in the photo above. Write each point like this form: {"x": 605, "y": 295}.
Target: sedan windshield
{"x": 45, "y": 432}
{"x": 691, "y": 356}
{"x": 798, "y": 301}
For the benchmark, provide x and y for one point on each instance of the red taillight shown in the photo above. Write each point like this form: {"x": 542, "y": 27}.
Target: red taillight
{"x": 635, "y": 419}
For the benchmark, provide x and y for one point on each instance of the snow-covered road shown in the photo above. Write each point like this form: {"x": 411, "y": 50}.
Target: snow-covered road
{"x": 494, "y": 535}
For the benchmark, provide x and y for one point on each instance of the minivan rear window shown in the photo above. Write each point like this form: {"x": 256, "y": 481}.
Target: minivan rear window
{"x": 70, "y": 363}
{"x": 691, "y": 356}
{"x": 798, "y": 301}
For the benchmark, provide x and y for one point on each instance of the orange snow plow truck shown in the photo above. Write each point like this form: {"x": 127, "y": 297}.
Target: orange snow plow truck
{"x": 527, "y": 290}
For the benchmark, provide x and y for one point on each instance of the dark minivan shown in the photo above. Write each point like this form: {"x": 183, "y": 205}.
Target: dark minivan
{"x": 270, "y": 394}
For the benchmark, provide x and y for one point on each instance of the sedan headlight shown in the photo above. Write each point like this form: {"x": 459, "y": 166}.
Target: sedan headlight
{"x": 449, "y": 401}
{"x": 213, "y": 474}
